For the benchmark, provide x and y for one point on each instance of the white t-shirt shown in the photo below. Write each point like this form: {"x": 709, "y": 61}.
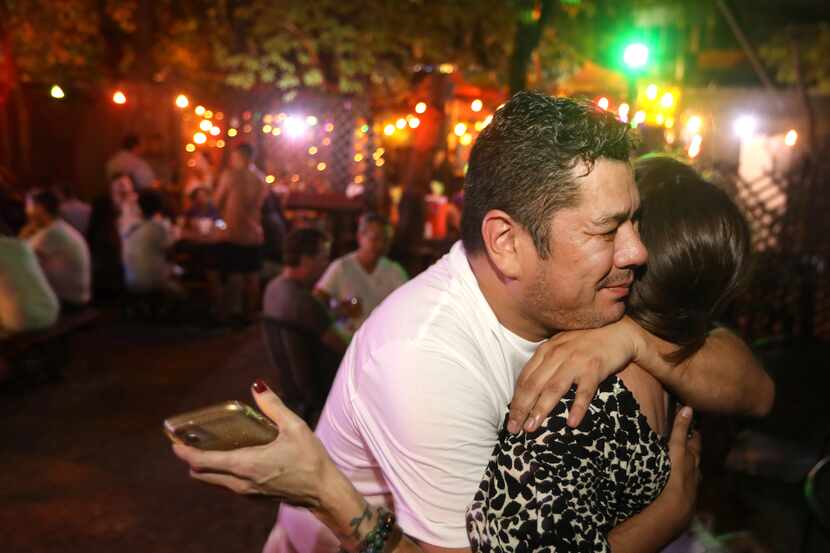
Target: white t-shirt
{"x": 415, "y": 410}
{"x": 26, "y": 300}
{"x": 144, "y": 254}
{"x": 64, "y": 257}
{"x": 346, "y": 278}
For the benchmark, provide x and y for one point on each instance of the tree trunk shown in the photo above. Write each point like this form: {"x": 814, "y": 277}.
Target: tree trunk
{"x": 529, "y": 29}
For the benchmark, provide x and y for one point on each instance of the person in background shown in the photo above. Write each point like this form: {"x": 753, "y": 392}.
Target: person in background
{"x": 128, "y": 161}
{"x": 27, "y": 302}
{"x": 239, "y": 197}
{"x": 201, "y": 207}
{"x": 61, "y": 250}
{"x": 113, "y": 214}
{"x": 314, "y": 350}
{"x": 359, "y": 281}
{"x": 73, "y": 210}
{"x": 145, "y": 247}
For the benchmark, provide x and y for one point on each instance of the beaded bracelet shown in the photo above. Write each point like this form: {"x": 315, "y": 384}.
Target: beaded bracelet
{"x": 376, "y": 540}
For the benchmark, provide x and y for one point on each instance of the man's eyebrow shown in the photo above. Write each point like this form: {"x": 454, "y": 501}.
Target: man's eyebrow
{"x": 619, "y": 217}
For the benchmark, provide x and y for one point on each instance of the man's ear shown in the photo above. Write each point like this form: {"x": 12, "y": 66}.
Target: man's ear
{"x": 500, "y": 233}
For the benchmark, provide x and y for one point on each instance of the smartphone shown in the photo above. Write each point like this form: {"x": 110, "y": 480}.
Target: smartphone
{"x": 228, "y": 425}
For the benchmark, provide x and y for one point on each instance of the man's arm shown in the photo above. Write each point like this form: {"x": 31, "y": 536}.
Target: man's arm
{"x": 722, "y": 376}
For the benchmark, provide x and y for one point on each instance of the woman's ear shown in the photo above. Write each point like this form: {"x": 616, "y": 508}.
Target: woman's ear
{"x": 501, "y": 235}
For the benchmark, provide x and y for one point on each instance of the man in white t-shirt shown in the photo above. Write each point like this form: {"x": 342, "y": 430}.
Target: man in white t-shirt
{"x": 145, "y": 246}
{"x": 61, "y": 250}
{"x": 128, "y": 161}
{"x": 549, "y": 243}
{"x": 26, "y": 300}
{"x": 361, "y": 280}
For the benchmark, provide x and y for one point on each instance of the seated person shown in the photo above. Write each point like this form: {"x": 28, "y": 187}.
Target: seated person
{"x": 27, "y": 302}
{"x": 313, "y": 346}
{"x": 73, "y": 210}
{"x": 363, "y": 279}
{"x": 61, "y": 250}
{"x": 145, "y": 246}
{"x": 202, "y": 213}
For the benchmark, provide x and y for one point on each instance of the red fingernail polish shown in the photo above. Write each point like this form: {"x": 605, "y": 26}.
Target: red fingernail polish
{"x": 260, "y": 386}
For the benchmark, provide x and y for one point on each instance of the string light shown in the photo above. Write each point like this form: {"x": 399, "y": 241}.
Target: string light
{"x": 466, "y": 140}
{"x": 270, "y": 179}
{"x": 358, "y": 158}
{"x": 267, "y": 128}
{"x": 414, "y": 122}
{"x": 420, "y": 107}
{"x": 56, "y": 92}
{"x": 460, "y": 129}
{"x": 208, "y": 114}
{"x": 321, "y": 166}
{"x": 214, "y": 131}
{"x": 119, "y": 98}
{"x": 220, "y": 143}
{"x": 182, "y": 101}
{"x": 476, "y": 105}
{"x": 205, "y": 125}
{"x": 651, "y": 91}
{"x": 232, "y": 132}
{"x": 199, "y": 110}
{"x": 312, "y": 150}
{"x": 389, "y": 129}
{"x": 311, "y": 120}
{"x": 329, "y": 127}
{"x": 400, "y": 123}
{"x": 199, "y": 138}
{"x": 190, "y": 148}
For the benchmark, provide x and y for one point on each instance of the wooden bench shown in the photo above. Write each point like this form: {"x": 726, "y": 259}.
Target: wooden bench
{"x": 44, "y": 352}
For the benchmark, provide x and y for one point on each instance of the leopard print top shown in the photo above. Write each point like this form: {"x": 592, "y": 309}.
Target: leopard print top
{"x": 560, "y": 489}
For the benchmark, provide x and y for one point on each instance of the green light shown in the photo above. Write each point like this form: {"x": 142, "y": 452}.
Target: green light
{"x": 635, "y": 55}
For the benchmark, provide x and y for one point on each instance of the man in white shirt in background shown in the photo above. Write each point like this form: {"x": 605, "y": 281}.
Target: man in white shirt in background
{"x": 361, "y": 280}
{"x": 128, "y": 161}
{"x": 145, "y": 247}
{"x": 27, "y": 302}
{"x": 61, "y": 250}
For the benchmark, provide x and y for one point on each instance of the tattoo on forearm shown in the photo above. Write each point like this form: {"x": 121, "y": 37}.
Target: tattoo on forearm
{"x": 355, "y": 523}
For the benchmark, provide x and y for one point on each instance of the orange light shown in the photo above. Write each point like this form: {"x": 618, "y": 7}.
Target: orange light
{"x": 420, "y": 107}
{"x": 208, "y": 114}
{"x": 190, "y": 148}
{"x": 321, "y": 166}
{"x": 312, "y": 150}
{"x": 414, "y": 122}
{"x": 270, "y": 179}
{"x": 205, "y": 125}
{"x": 460, "y": 129}
{"x": 389, "y": 129}
{"x": 199, "y": 138}
{"x": 220, "y": 143}
{"x": 466, "y": 140}
{"x": 214, "y": 131}
{"x": 400, "y": 123}
{"x": 476, "y": 105}
{"x": 119, "y": 97}
{"x": 182, "y": 101}
{"x": 329, "y": 127}
{"x": 358, "y": 158}
{"x": 199, "y": 110}
{"x": 232, "y": 132}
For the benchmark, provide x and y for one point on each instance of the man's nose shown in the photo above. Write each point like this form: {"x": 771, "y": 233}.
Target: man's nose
{"x": 630, "y": 250}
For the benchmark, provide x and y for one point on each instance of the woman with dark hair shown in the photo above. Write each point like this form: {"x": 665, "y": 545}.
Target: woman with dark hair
{"x": 564, "y": 489}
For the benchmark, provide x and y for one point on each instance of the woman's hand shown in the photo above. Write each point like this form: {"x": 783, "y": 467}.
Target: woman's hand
{"x": 684, "y": 452}
{"x": 294, "y": 467}
{"x": 582, "y": 357}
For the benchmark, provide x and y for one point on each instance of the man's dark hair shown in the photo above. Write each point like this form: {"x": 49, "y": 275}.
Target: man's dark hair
{"x": 302, "y": 242}
{"x": 150, "y": 202}
{"x": 130, "y": 141}
{"x": 48, "y": 200}
{"x": 246, "y": 150}
{"x": 522, "y": 162}
{"x": 371, "y": 218}
{"x": 699, "y": 254}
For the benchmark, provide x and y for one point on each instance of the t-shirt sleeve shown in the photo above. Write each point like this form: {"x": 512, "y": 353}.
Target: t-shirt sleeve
{"x": 428, "y": 421}
{"x": 330, "y": 281}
